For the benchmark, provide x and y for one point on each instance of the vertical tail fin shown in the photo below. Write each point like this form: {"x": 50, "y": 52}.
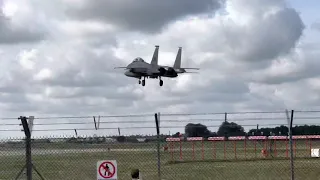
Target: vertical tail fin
{"x": 154, "y": 60}
{"x": 177, "y": 63}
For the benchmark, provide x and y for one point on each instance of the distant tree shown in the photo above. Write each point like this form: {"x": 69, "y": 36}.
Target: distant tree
{"x": 213, "y": 134}
{"x": 280, "y": 130}
{"x": 196, "y": 130}
{"x": 266, "y": 131}
{"x": 230, "y": 129}
{"x": 177, "y": 134}
{"x": 121, "y": 139}
{"x": 283, "y": 130}
{"x": 306, "y": 130}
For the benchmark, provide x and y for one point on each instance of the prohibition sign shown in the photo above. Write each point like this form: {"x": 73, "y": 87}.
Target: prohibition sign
{"x": 104, "y": 169}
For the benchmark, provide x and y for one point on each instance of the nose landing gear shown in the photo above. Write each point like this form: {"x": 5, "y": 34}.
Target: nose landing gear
{"x": 142, "y": 82}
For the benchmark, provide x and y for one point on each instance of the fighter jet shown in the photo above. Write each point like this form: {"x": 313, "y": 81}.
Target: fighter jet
{"x": 138, "y": 68}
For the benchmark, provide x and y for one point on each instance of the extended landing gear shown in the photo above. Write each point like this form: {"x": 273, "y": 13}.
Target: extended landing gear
{"x": 143, "y": 82}
{"x": 160, "y": 82}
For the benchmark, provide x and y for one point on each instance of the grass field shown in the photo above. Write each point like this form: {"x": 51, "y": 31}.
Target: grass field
{"x": 79, "y": 162}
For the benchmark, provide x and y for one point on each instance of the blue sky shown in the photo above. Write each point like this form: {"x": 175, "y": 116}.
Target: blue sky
{"x": 309, "y": 11}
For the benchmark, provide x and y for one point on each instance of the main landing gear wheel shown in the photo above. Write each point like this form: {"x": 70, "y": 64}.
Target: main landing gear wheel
{"x": 161, "y": 83}
{"x": 143, "y": 82}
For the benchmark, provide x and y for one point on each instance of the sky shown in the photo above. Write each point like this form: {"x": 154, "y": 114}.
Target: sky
{"x": 58, "y": 59}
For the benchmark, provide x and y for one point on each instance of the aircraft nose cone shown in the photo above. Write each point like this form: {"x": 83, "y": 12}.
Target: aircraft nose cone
{"x": 129, "y": 73}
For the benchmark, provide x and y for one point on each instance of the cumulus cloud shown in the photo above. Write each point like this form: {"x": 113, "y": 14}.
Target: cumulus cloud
{"x": 18, "y": 23}
{"x": 251, "y": 54}
{"x": 145, "y": 16}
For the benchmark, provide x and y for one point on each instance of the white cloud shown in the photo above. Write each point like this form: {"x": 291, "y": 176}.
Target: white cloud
{"x": 251, "y": 55}
{"x": 26, "y": 59}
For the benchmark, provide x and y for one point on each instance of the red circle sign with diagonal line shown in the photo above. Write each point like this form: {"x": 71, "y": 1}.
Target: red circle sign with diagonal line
{"x": 107, "y": 169}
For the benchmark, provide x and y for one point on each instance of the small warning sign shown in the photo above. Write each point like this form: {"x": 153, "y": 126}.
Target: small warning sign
{"x": 107, "y": 169}
{"x": 315, "y": 153}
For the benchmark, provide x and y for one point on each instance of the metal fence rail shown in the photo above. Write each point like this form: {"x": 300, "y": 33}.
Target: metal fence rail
{"x": 237, "y": 145}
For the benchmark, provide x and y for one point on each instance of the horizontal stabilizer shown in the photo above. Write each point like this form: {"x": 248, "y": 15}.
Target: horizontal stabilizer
{"x": 120, "y": 68}
{"x": 192, "y": 72}
{"x": 191, "y": 68}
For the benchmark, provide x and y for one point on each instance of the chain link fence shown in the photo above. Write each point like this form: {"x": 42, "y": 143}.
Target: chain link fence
{"x": 246, "y": 145}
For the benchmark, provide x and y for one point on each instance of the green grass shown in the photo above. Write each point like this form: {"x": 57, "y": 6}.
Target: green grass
{"x": 247, "y": 166}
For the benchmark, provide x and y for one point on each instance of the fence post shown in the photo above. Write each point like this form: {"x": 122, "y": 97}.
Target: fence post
{"x": 225, "y": 117}
{"x": 27, "y": 128}
{"x": 290, "y": 120}
{"x": 28, "y": 146}
{"x": 157, "y": 117}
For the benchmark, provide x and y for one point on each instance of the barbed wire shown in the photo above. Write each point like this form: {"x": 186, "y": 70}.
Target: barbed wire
{"x": 165, "y": 114}
{"x": 165, "y": 120}
{"x": 148, "y": 127}
{"x": 100, "y": 122}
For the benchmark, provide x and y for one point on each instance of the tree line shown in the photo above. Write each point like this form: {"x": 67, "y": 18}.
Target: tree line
{"x": 233, "y": 129}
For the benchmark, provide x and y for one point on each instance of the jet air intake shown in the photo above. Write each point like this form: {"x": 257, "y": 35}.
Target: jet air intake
{"x": 168, "y": 73}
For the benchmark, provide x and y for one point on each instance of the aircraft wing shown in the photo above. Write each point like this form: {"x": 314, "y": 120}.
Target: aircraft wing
{"x": 139, "y": 70}
{"x": 120, "y": 68}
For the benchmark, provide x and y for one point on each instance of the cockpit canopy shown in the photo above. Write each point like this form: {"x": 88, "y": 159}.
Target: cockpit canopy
{"x": 138, "y": 59}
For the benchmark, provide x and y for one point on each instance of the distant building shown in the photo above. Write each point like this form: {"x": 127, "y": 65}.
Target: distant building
{"x": 110, "y": 140}
{"x": 141, "y": 139}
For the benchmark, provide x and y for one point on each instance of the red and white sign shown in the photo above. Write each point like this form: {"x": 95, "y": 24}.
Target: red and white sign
{"x": 107, "y": 169}
{"x": 235, "y": 138}
{"x": 216, "y": 138}
{"x": 299, "y": 137}
{"x": 278, "y": 137}
{"x": 195, "y": 139}
{"x": 313, "y": 137}
{"x": 173, "y": 139}
{"x": 257, "y": 137}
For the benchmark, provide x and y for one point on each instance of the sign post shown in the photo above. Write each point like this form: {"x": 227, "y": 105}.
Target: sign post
{"x": 107, "y": 169}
